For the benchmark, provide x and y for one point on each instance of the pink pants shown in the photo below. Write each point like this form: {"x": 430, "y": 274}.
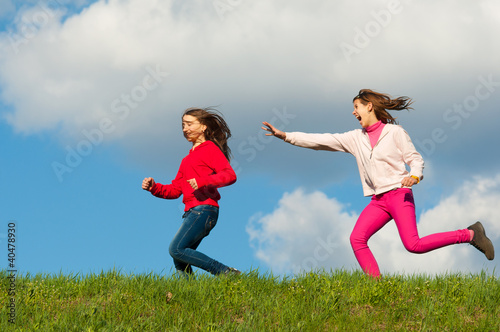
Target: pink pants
{"x": 398, "y": 205}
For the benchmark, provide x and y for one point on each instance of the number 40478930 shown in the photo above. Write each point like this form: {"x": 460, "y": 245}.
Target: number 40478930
{"x": 11, "y": 247}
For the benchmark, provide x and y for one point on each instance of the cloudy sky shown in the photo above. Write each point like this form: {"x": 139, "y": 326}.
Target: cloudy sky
{"x": 91, "y": 94}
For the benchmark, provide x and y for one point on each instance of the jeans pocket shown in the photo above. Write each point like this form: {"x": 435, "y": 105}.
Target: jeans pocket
{"x": 210, "y": 224}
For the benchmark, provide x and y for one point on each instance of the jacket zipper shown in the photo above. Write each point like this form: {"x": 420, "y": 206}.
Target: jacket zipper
{"x": 382, "y": 135}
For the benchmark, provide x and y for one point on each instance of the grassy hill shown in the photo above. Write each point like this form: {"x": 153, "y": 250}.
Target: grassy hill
{"x": 320, "y": 301}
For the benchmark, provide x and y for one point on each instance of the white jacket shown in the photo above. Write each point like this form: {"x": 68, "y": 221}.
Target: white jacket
{"x": 382, "y": 168}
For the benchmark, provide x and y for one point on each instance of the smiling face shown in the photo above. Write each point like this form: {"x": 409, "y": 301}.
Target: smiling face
{"x": 193, "y": 130}
{"x": 364, "y": 113}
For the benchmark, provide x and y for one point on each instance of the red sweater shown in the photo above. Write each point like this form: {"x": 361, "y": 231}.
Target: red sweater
{"x": 211, "y": 170}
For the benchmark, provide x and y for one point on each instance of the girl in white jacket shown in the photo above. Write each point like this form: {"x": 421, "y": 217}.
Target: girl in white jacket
{"x": 382, "y": 150}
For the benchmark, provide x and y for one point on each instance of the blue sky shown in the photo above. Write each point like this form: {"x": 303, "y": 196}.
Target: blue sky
{"x": 91, "y": 95}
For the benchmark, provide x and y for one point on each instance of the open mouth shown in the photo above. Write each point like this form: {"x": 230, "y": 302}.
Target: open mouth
{"x": 358, "y": 117}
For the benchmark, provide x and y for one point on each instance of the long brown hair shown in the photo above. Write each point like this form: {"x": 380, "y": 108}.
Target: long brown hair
{"x": 382, "y": 102}
{"x": 217, "y": 129}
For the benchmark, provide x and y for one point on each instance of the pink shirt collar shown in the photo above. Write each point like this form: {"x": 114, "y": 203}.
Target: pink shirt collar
{"x": 374, "y": 132}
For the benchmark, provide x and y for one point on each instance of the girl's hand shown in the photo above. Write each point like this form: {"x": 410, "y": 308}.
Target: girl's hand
{"x": 408, "y": 181}
{"x": 193, "y": 184}
{"x": 273, "y": 131}
{"x": 148, "y": 183}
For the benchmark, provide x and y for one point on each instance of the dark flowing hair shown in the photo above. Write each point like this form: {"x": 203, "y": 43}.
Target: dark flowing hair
{"x": 382, "y": 102}
{"x": 217, "y": 129}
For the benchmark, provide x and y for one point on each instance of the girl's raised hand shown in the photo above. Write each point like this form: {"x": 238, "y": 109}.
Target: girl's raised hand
{"x": 273, "y": 130}
{"x": 148, "y": 183}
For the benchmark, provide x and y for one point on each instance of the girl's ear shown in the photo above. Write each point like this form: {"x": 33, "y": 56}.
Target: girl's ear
{"x": 369, "y": 106}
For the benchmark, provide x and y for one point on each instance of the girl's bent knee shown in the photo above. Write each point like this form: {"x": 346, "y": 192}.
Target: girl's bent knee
{"x": 413, "y": 249}
{"x": 174, "y": 252}
{"x": 357, "y": 242}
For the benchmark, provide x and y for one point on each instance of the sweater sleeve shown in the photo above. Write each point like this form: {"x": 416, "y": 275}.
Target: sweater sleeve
{"x": 223, "y": 174}
{"x": 168, "y": 191}
{"x": 330, "y": 142}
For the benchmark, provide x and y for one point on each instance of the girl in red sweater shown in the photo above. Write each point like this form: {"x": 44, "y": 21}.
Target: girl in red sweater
{"x": 201, "y": 172}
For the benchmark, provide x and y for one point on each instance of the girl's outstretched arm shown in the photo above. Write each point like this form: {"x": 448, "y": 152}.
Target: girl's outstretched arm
{"x": 345, "y": 142}
{"x": 273, "y": 130}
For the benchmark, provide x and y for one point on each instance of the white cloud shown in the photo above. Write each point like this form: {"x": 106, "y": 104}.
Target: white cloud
{"x": 307, "y": 230}
{"x": 66, "y": 74}
{"x": 249, "y": 51}
{"x": 76, "y": 69}
{"x": 310, "y": 230}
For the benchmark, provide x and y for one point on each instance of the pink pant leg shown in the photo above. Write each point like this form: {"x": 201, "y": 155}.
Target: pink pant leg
{"x": 371, "y": 220}
{"x": 401, "y": 206}
{"x": 397, "y": 204}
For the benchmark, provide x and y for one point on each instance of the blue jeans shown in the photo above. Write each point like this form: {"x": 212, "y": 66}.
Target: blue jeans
{"x": 197, "y": 224}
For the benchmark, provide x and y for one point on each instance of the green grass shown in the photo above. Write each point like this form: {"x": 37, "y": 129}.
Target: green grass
{"x": 321, "y": 301}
